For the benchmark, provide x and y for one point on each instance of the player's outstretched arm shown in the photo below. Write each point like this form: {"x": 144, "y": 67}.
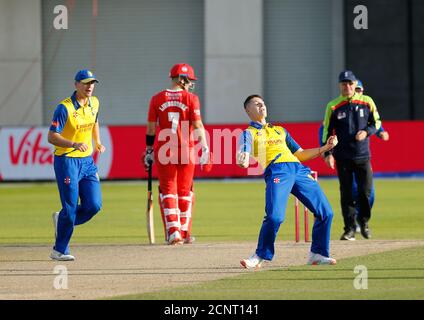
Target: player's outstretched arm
{"x": 309, "y": 154}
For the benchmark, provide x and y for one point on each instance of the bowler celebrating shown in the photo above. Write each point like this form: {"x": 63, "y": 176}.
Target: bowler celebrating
{"x": 74, "y": 126}
{"x": 280, "y": 156}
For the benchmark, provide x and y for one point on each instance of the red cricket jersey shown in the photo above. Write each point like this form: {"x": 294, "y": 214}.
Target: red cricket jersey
{"x": 175, "y": 111}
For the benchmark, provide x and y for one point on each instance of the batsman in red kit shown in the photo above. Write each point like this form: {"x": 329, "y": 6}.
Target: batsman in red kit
{"x": 176, "y": 112}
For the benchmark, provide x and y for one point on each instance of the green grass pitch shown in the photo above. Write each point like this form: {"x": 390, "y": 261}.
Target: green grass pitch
{"x": 224, "y": 211}
{"x": 228, "y": 211}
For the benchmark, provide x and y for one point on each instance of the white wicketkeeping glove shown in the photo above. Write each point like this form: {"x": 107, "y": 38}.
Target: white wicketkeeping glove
{"x": 204, "y": 158}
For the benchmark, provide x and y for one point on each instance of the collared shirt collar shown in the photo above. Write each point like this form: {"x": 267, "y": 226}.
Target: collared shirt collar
{"x": 258, "y": 125}
{"x": 76, "y": 103}
{"x": 355, "y": 96}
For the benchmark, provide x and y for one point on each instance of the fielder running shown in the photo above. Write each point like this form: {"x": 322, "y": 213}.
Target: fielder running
{"x": 177, "y": 112}
{"x": 279, "y": 154}
{"x": 74, "y": 126}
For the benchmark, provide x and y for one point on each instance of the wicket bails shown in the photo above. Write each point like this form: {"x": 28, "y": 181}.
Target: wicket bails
{"x": 305, "y": 215}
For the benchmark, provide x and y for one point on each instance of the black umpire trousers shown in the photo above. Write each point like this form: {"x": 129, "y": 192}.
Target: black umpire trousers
{"x": 346, "y": 169}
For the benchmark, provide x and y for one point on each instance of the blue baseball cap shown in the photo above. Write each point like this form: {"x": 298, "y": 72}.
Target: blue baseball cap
{"x": 85, "y": 76}
{"x": 359, "y": 84}
{"x": 346, "y": 75}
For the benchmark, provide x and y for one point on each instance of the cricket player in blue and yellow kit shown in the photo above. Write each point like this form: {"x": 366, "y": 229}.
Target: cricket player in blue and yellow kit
{"x": 74, "y": 128}
{"x": 280, "y": 157}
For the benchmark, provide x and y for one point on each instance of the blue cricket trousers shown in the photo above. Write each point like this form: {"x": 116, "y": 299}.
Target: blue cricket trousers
{"x": 76, "y": 178}
{"x": 281, "y": 180}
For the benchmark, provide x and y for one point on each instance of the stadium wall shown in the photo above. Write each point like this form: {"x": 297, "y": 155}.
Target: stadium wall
{"x": 20, "y": 63}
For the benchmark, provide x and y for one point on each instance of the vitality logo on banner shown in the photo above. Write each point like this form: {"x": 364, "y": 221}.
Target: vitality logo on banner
{"x": 25, "y": 154}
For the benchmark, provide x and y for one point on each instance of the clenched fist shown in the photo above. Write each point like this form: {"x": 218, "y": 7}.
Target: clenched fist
{"x": 242, "y": 159}
{"x": 80, "y": 146}
{"x": 100, "y": 148}
{"x": 361, "y": 135}
{"x": 331, "y": 142}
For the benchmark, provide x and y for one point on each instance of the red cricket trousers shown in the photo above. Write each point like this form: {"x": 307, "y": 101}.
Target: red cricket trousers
{"x": 176, "y": 197}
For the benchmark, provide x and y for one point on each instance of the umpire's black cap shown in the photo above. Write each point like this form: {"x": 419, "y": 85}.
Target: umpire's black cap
{"x": 347, "y": 75}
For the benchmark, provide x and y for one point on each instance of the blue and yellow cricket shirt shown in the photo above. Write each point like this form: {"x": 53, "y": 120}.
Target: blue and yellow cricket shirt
{"x": 268, "y": 144}
{"x": 75, "y": 122}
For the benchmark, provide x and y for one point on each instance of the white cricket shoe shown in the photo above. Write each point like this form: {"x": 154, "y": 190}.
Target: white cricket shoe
{"x": 55, "y": 217}
{"x": 175, "y": 238}
{"x": 56, "y": 255}
{"x": 253, "y": 262}
{"x": 316, "y": 258}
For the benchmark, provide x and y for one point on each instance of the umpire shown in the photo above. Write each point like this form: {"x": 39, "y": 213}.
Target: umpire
{"x": 353, "y": 118}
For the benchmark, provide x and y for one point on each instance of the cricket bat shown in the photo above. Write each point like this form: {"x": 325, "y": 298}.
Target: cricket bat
{"x": 149, "y": 211}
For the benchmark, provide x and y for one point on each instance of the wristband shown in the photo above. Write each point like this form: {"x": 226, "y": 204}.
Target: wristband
{"x": 150, "y": 140}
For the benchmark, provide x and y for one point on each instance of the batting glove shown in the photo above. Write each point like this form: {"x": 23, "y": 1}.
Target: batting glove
{"x": 204, "y": 158}
{"x": 148, "y": 158}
